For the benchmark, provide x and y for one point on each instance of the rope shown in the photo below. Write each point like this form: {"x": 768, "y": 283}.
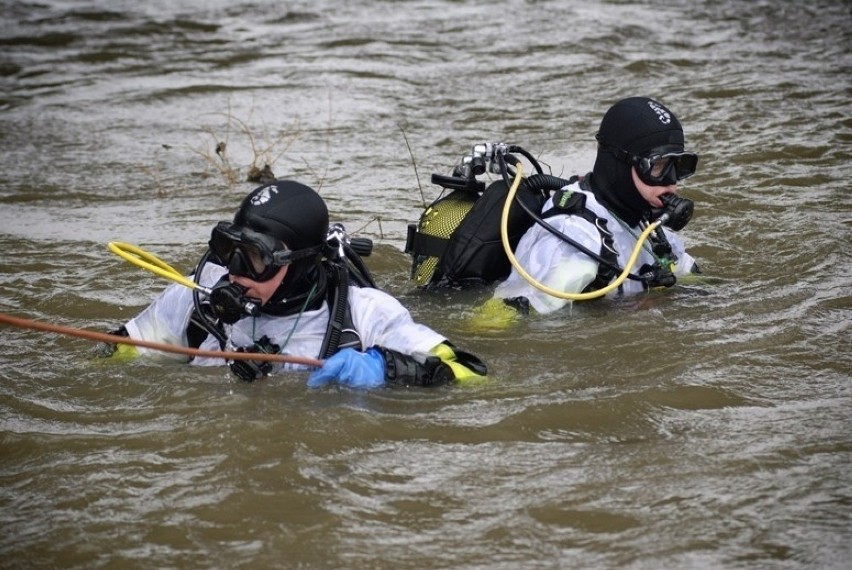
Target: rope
{"x": 113, "y": 339}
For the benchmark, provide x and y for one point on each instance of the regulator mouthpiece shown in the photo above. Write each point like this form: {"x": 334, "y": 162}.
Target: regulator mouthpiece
{"x": 230, "y": 303}
{"x": 678, "y": 211}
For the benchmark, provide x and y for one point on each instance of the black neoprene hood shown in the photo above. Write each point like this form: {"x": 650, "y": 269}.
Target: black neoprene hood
{"x": 640, "y": 124}
{"x": 289, "y": 211}
{"x": 295, "y": 214}
{"x": 636, "y": 125}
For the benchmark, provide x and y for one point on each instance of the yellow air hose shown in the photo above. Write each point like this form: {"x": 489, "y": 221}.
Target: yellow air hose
{"x": 152, "y": 263}
{"x": 504, "y": 235}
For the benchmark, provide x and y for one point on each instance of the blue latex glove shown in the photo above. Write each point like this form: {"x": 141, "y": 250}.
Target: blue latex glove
{"x": 350, "y": 367}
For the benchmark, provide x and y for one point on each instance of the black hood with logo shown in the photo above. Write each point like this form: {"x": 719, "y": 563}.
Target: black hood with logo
{"x": 295, "y": 214}
{"x": 635, "y": 125}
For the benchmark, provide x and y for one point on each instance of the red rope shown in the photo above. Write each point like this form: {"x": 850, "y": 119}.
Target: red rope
{"x": 113, "y": 339}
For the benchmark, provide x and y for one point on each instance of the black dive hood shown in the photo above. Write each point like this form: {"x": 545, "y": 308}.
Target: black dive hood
{"x": 636, "y": 126}
{"x": 295, "y": 214}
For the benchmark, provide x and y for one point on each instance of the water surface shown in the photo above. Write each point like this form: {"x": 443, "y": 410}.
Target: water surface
{"x": 707, "y": 426}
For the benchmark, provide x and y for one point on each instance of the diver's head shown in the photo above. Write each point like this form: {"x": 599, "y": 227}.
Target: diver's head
{"x": 288, "y": 211}
{"x": 639, "y": 137}
{"x": 275, "y": 241}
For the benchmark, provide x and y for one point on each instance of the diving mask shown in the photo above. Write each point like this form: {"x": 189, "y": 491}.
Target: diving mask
{"x": 251, "y": 254}
{"x": 663, "y": 168}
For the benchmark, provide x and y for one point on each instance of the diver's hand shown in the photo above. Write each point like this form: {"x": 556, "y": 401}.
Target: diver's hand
{"x": 656, "y": 276}
{"x": 351, "y": 368}
{"x": 106, "y": 350}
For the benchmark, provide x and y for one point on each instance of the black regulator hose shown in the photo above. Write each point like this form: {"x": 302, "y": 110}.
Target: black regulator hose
{"x": 526, "y": 154}
{"x": 357, "y": 267}
{"x": 204, "y": 319}
{"x": 546, "y": 183}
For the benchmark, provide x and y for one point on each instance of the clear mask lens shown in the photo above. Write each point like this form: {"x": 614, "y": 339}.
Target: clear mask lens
{"x": 255, "y": 257}
{"x": 666, "y": 169}
{"x": 247, "y": 253}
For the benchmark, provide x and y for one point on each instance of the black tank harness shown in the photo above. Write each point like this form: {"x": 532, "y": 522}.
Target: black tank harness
{"x": 566, "y": 201}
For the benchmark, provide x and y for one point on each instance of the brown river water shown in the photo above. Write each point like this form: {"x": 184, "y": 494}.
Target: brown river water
{"x": 706, "y": 426}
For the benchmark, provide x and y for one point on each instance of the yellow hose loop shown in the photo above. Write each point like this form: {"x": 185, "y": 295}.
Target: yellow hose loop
{"x": 504, "y": 236}
{"x": 151, "y": 262}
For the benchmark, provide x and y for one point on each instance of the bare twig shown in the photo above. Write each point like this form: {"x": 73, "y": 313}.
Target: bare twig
{"x": 370, "y": 221}
{"x": 266, "y": 150}
{"x": 414, "y": 164}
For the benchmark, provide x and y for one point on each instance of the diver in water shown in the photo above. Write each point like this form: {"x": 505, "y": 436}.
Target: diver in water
{"x": 640, "y": 160}
{"x": 280, "y": 282}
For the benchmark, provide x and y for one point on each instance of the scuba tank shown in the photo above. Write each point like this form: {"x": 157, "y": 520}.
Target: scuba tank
{"x": 456, "y": 242}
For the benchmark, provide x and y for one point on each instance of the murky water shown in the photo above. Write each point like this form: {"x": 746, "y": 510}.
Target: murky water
{"x": 704, "y": 427}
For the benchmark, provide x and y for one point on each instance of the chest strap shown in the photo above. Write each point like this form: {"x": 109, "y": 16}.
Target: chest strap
{"x": 566, "y": 201}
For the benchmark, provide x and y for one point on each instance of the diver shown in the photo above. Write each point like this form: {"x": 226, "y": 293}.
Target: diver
{"x": 640, "y": 160}
{"x": 280, "y": 281}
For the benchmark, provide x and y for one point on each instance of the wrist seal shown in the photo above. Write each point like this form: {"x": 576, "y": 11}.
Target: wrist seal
{"x": 404, "y": 370}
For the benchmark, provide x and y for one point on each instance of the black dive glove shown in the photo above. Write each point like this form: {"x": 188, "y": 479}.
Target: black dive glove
{"x": 251, "y": 370}
{"x": 656, "y": 275}
{"x": 405, "y": 370}
{"x": 520, "y": 304}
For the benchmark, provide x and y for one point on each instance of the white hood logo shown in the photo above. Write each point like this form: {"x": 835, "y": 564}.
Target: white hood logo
{"x": 263, "y": 196}
{"x": 662, "y": 114}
